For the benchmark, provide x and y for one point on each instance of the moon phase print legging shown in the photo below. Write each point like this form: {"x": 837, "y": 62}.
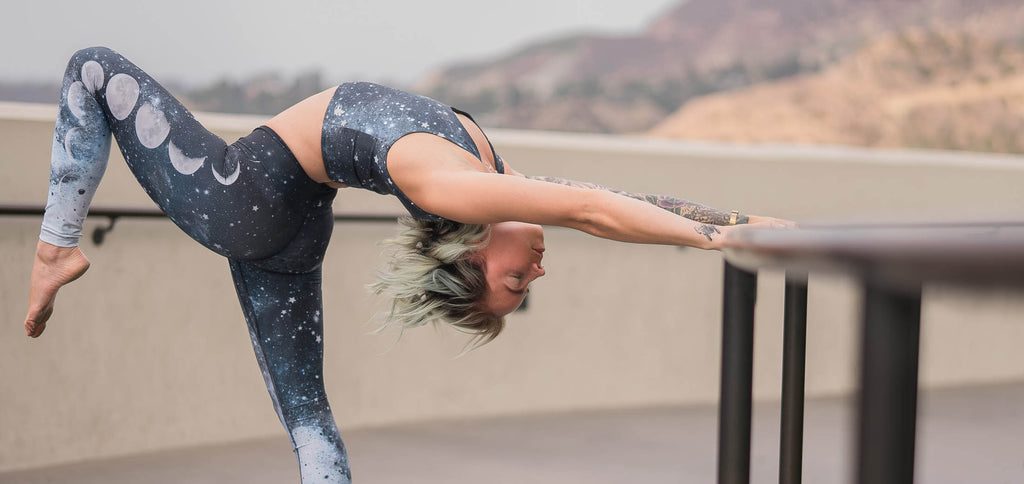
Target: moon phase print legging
{"x": 249, "y": 201}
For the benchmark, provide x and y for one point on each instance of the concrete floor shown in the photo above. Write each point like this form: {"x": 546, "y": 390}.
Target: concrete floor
{"x": 966, "y": 435}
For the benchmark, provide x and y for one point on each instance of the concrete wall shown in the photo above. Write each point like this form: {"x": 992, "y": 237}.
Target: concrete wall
{"x": 149, "y": 350}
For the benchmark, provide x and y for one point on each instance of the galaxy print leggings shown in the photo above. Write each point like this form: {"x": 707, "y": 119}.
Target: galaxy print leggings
{"x": 249, "y": 201}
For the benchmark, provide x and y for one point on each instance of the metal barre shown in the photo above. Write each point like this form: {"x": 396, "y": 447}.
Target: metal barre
{"x": 112, "y": 214}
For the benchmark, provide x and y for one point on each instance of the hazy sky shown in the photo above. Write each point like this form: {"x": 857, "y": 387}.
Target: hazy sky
{"x": 199, "y": 40}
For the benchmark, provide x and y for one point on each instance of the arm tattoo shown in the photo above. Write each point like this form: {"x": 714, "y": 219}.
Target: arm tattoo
{"x": 692, "y": 210}
{"x": 707, "y": 230}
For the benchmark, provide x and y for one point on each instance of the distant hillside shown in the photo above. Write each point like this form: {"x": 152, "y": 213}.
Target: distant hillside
{"x": 265, "y": 94}
{"x": 925, "y": 89}
{"x": 630, "y": 83}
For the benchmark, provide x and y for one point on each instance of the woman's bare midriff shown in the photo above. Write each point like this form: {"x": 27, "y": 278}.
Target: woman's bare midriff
{"x": 301, "y": 125}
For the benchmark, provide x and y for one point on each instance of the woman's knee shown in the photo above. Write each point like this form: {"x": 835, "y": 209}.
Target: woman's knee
{"x": 85, "y": 66}
{"x": 89, "y": 53}
{"x": 80, "y": 57}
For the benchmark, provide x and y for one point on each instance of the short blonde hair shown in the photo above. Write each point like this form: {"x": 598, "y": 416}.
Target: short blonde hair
{"x": 433, "y": 278}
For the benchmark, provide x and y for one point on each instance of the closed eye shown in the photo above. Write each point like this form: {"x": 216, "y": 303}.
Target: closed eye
{"x": 516, "y": 285}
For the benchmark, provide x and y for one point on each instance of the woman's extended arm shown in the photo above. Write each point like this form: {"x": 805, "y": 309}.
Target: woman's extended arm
{"x": 481, "y": 198}
{"x": 692, "y": 210}
{"x": 685, "y": 208}
{"x": 442, "y": 181}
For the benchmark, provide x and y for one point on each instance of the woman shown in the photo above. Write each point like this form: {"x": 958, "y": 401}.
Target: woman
{"x": 264, "y": 202}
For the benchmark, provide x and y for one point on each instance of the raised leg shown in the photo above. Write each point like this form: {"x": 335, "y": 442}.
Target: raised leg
{"x": 238, "y": 200}
{"x": 103, "y": 93}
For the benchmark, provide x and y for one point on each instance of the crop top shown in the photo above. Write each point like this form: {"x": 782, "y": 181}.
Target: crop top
{"x": 364, "y": 119}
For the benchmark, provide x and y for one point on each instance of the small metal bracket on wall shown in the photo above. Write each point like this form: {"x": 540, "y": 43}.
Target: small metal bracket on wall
{"x": 99, "y": 233}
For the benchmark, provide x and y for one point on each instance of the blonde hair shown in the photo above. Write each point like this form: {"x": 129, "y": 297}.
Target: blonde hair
{"x": 432, "y": 278}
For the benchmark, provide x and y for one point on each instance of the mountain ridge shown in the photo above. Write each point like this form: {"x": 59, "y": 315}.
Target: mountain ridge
{"x": 629, "y": 83}
{"x": 920, "y": 88}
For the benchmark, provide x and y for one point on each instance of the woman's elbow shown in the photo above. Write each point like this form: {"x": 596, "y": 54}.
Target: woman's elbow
{"x": 590, "y": 215}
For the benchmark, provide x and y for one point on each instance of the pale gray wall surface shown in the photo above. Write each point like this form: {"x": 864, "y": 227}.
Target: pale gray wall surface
{"x": 149, "y": 351}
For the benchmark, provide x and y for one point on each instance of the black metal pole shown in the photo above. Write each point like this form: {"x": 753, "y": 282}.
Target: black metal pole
{"x": 888, "y": 397}
{"x": 740, "y": 293}
{"x": 794, "y": 354}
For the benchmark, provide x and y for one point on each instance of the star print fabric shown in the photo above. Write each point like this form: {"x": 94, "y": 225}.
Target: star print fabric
{"x": 249, "y": 201}
{"x": 364, "y": 119}
{"x": 239, "y": 200}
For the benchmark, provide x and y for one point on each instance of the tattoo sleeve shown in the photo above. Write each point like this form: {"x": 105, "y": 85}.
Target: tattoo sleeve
{"x": 692, "y": 210}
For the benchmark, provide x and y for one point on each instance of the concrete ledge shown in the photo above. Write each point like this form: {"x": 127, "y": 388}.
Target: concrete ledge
{"x": 635, "y": 144}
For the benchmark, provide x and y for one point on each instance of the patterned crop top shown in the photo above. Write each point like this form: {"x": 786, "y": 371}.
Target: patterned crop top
{"x": 364, "y": 119}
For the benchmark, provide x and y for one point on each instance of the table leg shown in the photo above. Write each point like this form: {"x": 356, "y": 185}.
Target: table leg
{"x": 794, "y": 353}
{"x": 734, "y": 408}
{"x": 888, "y": 398}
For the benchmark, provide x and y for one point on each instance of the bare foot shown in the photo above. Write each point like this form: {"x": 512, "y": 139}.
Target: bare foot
{"x": 53, "y": 267}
